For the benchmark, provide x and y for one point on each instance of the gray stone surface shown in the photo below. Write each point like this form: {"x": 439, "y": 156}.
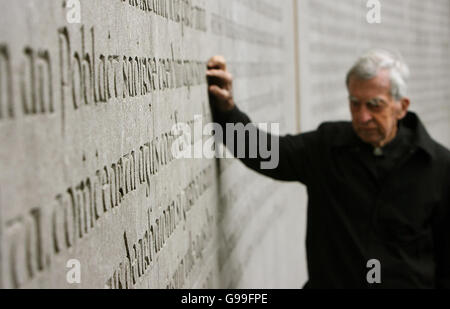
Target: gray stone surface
{"x": 86, "y": 112}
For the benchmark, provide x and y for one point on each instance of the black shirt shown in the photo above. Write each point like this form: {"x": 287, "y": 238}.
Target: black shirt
{"x": 380, "y": 162}
{"x": 393, "y": 207}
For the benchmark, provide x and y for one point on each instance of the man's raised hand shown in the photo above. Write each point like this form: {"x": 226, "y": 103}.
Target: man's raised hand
{"x": 220, "y": 83}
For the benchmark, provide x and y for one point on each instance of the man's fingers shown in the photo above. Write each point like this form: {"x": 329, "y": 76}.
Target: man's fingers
{"x": 219, "y": 93}
{"x": 221, "y": 75}
{"x": 220, "y": 78}
{"x": 220, "y": 84}
{"x": 218, "y": 63}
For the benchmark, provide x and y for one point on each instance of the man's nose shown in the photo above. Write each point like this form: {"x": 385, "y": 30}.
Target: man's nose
{"x": 364, "y": 116}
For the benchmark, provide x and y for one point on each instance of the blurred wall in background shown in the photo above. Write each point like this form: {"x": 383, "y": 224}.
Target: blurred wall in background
{"x": 332, "y": 34}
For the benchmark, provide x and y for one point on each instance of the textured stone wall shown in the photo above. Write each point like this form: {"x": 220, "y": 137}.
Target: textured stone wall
{"x": 86, "y": 171}
{"x": 86, "y": 117}
{"x": 334, "y": 33}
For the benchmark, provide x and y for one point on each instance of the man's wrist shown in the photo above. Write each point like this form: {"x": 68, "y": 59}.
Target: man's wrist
{"x": 226, "y": 116}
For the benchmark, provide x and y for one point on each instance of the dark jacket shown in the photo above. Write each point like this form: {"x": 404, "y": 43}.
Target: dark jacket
{"x": 362, "y": 208}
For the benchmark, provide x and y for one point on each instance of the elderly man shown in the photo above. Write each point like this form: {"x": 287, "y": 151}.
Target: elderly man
{"x": 378, "y": 187}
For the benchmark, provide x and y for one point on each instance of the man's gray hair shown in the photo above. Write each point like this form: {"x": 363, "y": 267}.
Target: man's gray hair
{"x": 370, "y": 64}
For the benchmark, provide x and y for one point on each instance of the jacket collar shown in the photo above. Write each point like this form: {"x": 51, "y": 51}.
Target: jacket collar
{"x": 421, "y": 138}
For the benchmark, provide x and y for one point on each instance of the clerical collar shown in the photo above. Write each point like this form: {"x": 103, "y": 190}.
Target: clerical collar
{"x": 402, "y": 137}
{"x": 378, "y": 152}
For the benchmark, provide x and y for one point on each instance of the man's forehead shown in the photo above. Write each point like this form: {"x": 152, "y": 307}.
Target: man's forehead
{"x": 374, "y": 87}
{"x": 381, "y": 80}
{"x": 368, "y": 98}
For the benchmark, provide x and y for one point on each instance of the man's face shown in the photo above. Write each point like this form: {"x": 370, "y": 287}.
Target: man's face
{"x": 375, "y": 114}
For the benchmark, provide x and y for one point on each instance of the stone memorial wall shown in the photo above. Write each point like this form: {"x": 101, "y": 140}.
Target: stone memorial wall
{"x": 91, "y": 195}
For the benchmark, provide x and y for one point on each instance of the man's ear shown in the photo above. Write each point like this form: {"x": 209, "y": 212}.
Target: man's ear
{"x": 403, "y": 108}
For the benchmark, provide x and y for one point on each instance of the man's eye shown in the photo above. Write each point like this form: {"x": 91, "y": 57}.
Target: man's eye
{"x": 354, "y": 103}
{"x": 374, "y": 104}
